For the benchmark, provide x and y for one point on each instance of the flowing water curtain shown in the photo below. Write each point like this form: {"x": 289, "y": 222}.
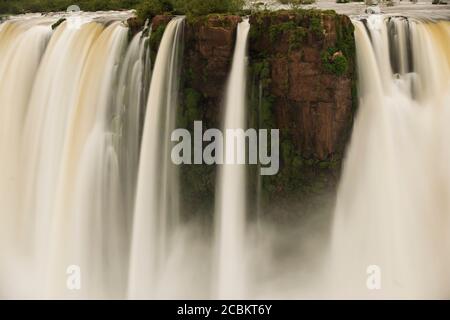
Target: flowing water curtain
{"x": 22, "y": 44}
{"x": 87, "y": 227}
{"x": 393, "y": 202}
{"x": 54, "y": 94}
{"x": 231, "y": 188}
{"x": 130, "y": 104}
{"x": 156, "y": 212}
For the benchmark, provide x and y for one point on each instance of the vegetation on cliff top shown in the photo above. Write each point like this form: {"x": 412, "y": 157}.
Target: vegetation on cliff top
{"x": 145, "y": 8}
{"x": 297, "y": 3}
{"x": 149, "y": 8}
{"x": 317, "y": 41}
{"x": 25, "y": 6}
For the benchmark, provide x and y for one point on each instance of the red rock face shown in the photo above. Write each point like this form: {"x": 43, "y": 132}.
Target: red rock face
{"x": 313, "y": 105}
{"x": 209, "y": 48}
{"x": 135, "y": 25}
{"x": 160, "y": 20}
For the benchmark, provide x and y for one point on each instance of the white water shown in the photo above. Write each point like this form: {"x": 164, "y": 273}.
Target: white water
{"x": 393, "y": 207}
{"x": 21, "y": 48}
{"x": 130, "y": 102}
{"x": 60, "y": 178}
{"x": 156, "y": 214}
{"x": 231, "y": 185}
{"x": 71, "y": 106}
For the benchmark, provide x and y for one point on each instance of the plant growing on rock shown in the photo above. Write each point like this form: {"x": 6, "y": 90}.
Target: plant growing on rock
{"x": 203, "y": 7}
{"x": 334, "y": 62}
{"x": 150, "y": 8}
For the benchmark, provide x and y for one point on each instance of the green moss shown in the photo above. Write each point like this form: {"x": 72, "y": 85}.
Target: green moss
{"x": 193, "y": 103}
{"x": 316, "y": 25}
{"x": 261, "y": 70}
{"x": 299, "y": 177}
{"x": 267, "y": 113}
{"x": 155, "y": 40}
{"x": 345, "y": 41}
{"x": 278, "y": 30}
{"x": 297, "y": 34}
{"x": 297, "y": 37}
{"x": 300, "y": 23}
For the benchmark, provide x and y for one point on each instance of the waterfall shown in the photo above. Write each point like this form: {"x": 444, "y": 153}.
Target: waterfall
{"x": 87, "y": 186}
{"x": 393, "y": 202}
{"x": 131, "y": 100}
{"x": 87, "y": 180}
{"x": 22, "y": 44}
{"x": 231, "y": 186}
{"x": 156, "y": 213}
{"x": 61, "y": 169}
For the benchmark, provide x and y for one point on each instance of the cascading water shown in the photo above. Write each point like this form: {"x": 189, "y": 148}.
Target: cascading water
{"x": 62, "y": 168}
{"x": 393, "y": 203}
{"x": 87, "y": 194}
{"x": 22, "y": 44}
{"x": 131, "y": 100}
{"x": 156, "y": 212}
{"x": 231, "y": 189}
{"x": 78, "y": 159}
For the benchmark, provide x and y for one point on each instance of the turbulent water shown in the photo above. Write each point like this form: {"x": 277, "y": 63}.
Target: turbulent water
{"x": 86, "y": 177}
{"x": 394, "y": 201}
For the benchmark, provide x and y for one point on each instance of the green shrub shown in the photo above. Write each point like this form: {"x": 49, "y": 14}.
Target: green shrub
{"x": 294, "y": 4}
{"x": 204, "y": 7}
{"x": 147, "y": 9}
{"x": 24, "y": 6}
{"x": 340, "y": 65}
{"x": 347, "y": 1}
{"x": 150, "y": 8}
{"x": 334, "y": 61}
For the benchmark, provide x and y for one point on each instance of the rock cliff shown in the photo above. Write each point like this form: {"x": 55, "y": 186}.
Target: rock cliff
{"x": 301, "y": 80}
